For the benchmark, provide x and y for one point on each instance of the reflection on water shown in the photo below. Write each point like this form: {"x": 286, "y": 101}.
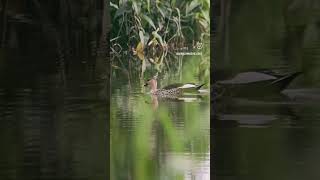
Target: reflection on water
{"x": 274, "y": 139}
{"x": 51, "y": 132}
{"x": 269, "y": 137}
{"x": 156, "y": 138}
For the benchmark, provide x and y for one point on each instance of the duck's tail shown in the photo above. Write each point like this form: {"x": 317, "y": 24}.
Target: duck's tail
{"x": 283, "y": 82}
{"x": 198, "y": 87}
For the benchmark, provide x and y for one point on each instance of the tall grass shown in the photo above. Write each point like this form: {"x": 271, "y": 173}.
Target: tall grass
{"x": 150, "y": 30}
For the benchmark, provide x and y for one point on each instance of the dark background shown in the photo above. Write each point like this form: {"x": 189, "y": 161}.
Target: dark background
{"x": 266, "y": 137}
{"x": 54, "y": 89}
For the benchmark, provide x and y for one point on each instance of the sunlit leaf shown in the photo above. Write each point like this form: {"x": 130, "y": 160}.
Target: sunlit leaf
{"x": 158, "y": 37}
{"x": 204, "y": 23}
{"x": 114, "y": 5}
{"x": 206, "y": 15}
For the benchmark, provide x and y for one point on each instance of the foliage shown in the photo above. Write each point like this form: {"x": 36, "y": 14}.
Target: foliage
{"x": 153, "y": 29}
{"x": 158, "y": 21}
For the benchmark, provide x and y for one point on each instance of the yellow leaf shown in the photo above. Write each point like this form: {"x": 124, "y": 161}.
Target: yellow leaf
{"x": 139, "y": 51}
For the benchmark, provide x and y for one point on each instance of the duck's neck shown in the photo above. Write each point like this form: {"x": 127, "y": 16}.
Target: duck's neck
{"x": 153, "y": 86}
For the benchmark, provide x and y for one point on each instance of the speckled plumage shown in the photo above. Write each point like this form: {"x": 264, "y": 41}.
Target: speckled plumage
{"x": 167, "y": 92}
{"x": 171, "y": 91}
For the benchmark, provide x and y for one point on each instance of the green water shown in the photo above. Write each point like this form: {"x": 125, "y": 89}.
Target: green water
{"x": 154, "y": 138}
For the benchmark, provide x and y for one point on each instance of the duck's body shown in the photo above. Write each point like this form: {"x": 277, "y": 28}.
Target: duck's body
{"x": 257, "y": 83}
{"x": 173, "y": 90}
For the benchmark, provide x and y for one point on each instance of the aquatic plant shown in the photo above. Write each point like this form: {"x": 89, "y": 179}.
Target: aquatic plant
{"x": 150, "y": 30}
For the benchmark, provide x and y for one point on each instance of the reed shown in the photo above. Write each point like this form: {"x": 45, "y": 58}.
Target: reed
{"x": 151, "y": 30}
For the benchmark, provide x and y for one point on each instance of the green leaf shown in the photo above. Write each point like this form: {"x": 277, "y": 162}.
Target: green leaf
{"x": 141, "y": 37}
{"x": 158, "y": 37}
{"x": 143, "y": 68}
{"x": 161, "y": 11}
{"x": 148, "y": 5}
{"x": 178, "y": 11}
{"x": 194, "y": 4}
{"x": 149, "y": 21}
{"x": 136, "y": 7}
{"x": 120, "y": 11}
{"x": 114, "y": 5}
{"x": 206, "y": 16}
{"x": 173, "y": 3}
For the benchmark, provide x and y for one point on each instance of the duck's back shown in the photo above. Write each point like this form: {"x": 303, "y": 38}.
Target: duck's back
{"x": 173, "y": 86}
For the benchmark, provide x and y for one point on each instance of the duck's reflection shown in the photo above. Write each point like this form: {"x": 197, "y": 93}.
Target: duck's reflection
{"x": 156, "y": 99}
{"x": 154, "y": 102}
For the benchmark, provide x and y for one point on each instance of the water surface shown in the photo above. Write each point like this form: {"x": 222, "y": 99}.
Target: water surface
{"x": 50, "y": 131}
{"x": 269, "y": 137}
{"x": 154, "y": 138}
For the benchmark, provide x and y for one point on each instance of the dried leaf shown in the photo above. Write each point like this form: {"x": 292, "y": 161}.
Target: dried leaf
{"x": 139, "y": 51}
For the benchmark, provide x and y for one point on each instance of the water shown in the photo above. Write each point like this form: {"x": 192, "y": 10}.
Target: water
{"x": 269, "y": 137}
{"x": 154, "y": 138}
{"x": 49, "y": 131}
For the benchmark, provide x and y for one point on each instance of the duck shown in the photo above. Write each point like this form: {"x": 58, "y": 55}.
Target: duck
{"x": 172, "y": 90}
{"x": 257, "y": 83}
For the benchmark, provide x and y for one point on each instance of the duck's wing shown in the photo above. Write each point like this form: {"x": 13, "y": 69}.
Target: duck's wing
{"x": 171, "y": 86}
{"x": 183, "y": 86}
{"x": 248, "y": 77}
